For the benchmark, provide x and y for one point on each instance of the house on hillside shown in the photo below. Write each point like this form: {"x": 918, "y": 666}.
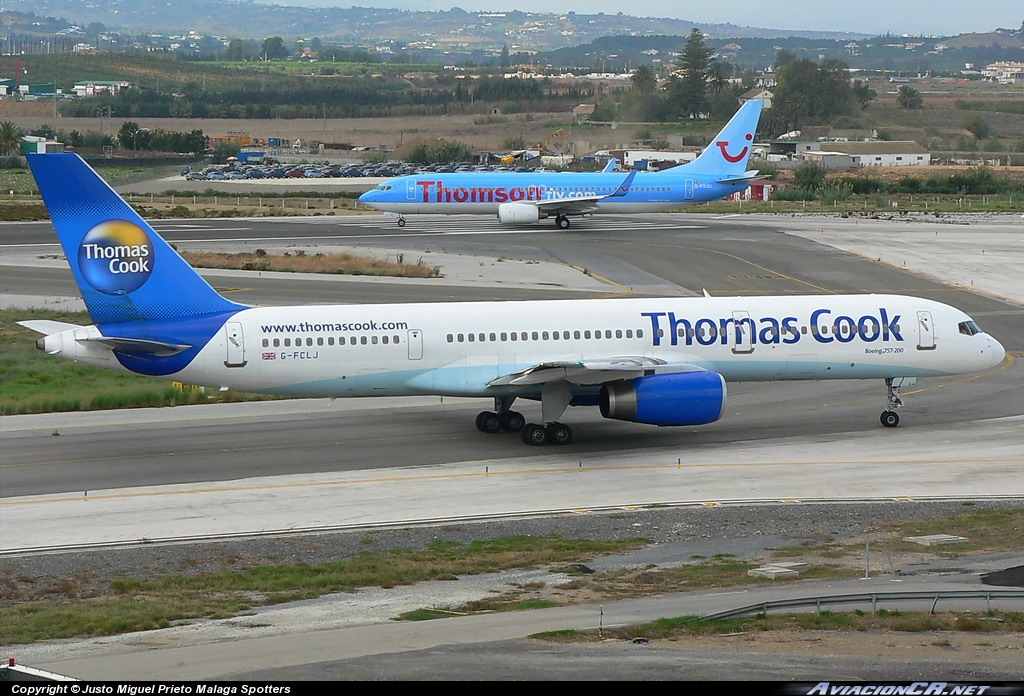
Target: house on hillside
{"x": 89, "y": 88}
{"x": 1005, "y": 72}
{"x": 761, "y": 93}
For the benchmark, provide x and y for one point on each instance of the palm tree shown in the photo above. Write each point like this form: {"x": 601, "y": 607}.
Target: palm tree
{"x": 644, "y": 79}
{"x": 908, "y": 98}
{"x": 10, "y": 138}
{"x": 718, "y": 76}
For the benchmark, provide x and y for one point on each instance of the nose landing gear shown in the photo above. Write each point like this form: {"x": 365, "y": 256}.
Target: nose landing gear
{"x": 893, "y": 386}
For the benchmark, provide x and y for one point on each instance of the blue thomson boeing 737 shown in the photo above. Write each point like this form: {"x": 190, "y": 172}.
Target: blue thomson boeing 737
{"x": 519, "y": 198}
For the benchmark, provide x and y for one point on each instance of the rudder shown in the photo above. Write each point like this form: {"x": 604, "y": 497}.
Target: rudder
{"x": 728, "y": 152}
{"x": 125, "y": 271}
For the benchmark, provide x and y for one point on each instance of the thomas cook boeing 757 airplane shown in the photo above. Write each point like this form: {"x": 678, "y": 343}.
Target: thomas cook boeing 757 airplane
{"x": 519, "y": 198}
{"x": 661, "y": 361}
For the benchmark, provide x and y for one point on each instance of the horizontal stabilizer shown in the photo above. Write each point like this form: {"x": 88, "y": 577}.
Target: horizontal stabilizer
{"x": 138, "y": 346}
{"x": 47, "y": 326}
{"x": 748, "y": 176}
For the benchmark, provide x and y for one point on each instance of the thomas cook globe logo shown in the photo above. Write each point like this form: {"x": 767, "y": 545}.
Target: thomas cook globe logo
{"x": 116, "y": 257}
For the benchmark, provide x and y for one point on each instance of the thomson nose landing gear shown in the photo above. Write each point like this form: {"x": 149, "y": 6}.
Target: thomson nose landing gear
{"x": 893, "y": 386}
{"x": 401, "y": 221}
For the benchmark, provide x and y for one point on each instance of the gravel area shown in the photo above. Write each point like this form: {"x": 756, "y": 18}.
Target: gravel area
{"x": 677, "y": 536}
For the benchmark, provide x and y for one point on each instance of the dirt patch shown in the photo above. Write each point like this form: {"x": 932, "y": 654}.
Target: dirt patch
{"x": 479, "y": 132}
{"x": 997, "y": 648}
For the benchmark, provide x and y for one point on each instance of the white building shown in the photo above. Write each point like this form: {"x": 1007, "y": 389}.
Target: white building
{"x": 1005, "y": 72}
{"x": 875, "y": 153}
{"x": 88, "y": 88}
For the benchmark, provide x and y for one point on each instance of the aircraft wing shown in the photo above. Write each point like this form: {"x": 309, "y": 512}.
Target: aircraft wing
{"x": 569, "y": 206}
{"x": 590, "y": 372}
{"x": 578, "y": 205}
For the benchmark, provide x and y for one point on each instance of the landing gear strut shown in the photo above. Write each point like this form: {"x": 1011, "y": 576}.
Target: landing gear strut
{"x": 562, "y": 222}
{"x": 893, "y": 386}
{"x": 554, "y": 399}
{"x": 401, "y": 221}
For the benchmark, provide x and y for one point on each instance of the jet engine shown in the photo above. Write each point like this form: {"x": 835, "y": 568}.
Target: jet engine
{"x": 517, "y": 213}
{"x": 679, "y": 398}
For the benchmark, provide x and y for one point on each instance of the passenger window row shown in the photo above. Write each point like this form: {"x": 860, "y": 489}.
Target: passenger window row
{"x": 520, "y": 336}
{"x": 330, "y": 341}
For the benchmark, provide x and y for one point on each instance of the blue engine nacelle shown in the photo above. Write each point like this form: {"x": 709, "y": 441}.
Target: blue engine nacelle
{"x": 679, "y": 398}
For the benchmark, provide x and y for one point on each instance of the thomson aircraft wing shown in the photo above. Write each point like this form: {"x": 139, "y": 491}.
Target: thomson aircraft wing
{"x": 580, "y": 205}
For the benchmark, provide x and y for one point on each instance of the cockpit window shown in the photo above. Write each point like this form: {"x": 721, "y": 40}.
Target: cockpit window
{"x": 969, "y": 328}
{"x": 384, "y": 187}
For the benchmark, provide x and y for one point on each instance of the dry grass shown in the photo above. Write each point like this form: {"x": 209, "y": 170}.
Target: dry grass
{"x": 301, "y": 262}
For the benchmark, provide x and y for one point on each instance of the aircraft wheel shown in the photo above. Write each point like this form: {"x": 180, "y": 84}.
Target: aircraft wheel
{"x": 559, "y": 433}
{"x": 401, "y": 222}
{"x": 890, "y": 419}
{"x": 488, "y": 422}
{"x": 534, "y": 434}
{"x": 512, "y": 421}
{"x": 562, "y": 222}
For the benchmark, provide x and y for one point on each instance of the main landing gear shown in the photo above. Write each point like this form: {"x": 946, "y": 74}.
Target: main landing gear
{"x": 554, "y": 433}
{"x": 554, "y": 400}
{"x": 893, "y": 386}
{"x": 562, "y": 222}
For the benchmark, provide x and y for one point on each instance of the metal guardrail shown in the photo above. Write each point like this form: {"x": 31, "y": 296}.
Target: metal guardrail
{"x": 872, "y": 598}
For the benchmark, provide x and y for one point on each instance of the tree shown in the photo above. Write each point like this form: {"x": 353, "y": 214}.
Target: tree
{"x": 718, "y": 76}
{"x": 908, "y": 98}
{"x": 238, "y": 50}
{"x": 128, "y": 135}
{"x": 862, "y": 93}
{"x": 795, "y": 92}
{"x": 833, "y": 81}
{"x": 783, "y": 57}
{"x": 810, "y": 176}
{"x": 974, "y": 123}
{"x": 10, "y": 138}
{"x": 805, "y": 90}
{"x": 644, "y": 79}
{"x": 688, "y": 95}
{"x": 273, "y": 49}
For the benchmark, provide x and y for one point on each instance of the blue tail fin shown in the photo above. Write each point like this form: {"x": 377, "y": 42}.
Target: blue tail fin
{"x": 125, "y": 271}
{"x": 727, "y": 154}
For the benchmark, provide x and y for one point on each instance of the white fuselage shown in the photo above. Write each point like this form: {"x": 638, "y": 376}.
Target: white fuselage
{"x": 459, "y": 348}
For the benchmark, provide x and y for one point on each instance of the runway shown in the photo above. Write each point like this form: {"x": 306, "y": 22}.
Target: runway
{"x": 75, "y": 480}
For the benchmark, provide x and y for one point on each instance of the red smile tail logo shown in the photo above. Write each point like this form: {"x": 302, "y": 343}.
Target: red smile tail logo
{"x": 723, "y": 144}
